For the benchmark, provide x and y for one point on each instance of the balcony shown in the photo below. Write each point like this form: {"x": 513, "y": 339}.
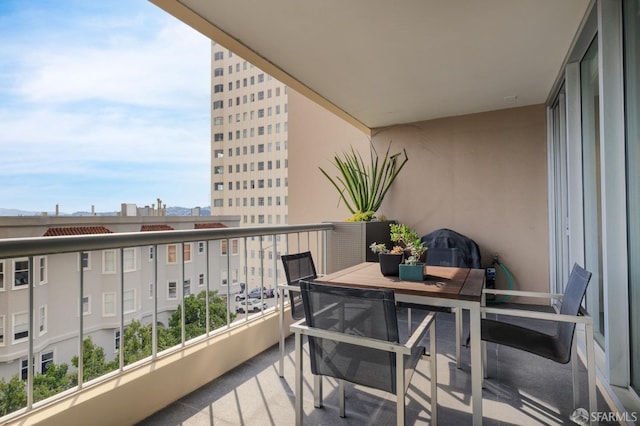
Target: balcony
{"x": 226, "y": 372}
{"x": 521, "y": 389}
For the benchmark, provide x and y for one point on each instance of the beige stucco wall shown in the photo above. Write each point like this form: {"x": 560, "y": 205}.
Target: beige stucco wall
{"x": 315, "y": 136}
{"x": 483, "y": 175}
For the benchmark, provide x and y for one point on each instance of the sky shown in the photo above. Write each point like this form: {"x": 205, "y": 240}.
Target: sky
{"x": 101, "y": 103}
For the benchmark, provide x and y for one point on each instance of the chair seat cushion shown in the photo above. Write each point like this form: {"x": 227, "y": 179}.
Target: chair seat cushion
{"x": 525, "y": 339}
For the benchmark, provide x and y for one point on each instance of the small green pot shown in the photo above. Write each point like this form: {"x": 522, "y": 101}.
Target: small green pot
{"x": 412, "y": 272}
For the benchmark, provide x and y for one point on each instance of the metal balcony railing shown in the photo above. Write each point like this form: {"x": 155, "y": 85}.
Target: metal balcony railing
{"x": 94, "y": 305}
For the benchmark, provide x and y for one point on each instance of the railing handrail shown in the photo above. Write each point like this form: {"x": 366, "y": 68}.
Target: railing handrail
{"x": 36, "y": 246}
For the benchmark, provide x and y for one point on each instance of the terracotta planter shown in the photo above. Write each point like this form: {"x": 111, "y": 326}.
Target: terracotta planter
{"x": 390, "y": 264}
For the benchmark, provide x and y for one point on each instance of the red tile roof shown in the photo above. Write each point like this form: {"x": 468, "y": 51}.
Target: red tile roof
{"x": 158, "y": 227}
{"x": 76, "y": 230}
{"x": 210, "y": 225}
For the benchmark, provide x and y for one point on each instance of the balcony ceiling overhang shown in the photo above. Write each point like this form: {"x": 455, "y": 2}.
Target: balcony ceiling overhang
{"x": 378, "y": 63}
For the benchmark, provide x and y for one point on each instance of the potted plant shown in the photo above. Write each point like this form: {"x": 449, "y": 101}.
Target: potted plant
{"x": 412, "y": 269}
{"x": 409, "y": 239}
{"x": 390, "y": 260}
{"x": 362, "y": 186}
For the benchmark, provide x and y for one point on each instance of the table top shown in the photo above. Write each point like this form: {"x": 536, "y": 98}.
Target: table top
{"x": 444, "y": 282}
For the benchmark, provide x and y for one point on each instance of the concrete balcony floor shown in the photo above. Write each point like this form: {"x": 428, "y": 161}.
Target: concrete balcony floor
{"x": 522, "y": 389}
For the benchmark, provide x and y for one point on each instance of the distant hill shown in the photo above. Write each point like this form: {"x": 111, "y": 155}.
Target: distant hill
{"x": 171, "y": 211}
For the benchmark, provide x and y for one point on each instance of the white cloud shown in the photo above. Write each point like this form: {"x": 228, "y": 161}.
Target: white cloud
{"x": 110, "y": 98}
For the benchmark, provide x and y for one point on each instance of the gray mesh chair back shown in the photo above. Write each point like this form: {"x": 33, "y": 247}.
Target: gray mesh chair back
{"x": 557, "y": 346}
{"x": 360, "y": 312}
{"x": 298, "y": 266}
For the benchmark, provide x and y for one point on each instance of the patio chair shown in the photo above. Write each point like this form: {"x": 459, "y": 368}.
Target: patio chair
{"x": 298, "y": 266}
{"x": 353, "y": 337}
{"x": 559, "y": 346}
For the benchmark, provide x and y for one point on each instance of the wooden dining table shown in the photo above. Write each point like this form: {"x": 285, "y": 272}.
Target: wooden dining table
{"x": 444, "y": 286}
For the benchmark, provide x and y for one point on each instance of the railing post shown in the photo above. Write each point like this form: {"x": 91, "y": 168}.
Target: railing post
{"x": 30, "y": 371}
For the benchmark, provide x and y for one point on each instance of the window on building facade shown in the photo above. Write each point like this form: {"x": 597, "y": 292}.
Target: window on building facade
{"x": 218, "y": 202}
{"x": 129, "y": 259}
{"x": 116, "y": 340}
{"x": 108, "y": 304}
{"x": 129, "y": 301}
{"x": 186, "y": 288}
{"x": 260, "y": 113}
{"x": 218, "y": 88}
{"x": 20, "y": 327}
{"x": 172, "y": 290}
{"x": 223, "y": 247}
{"x": 218, "y": 186}
{"x": 151, "y": 291}
{"x": 201, "y": 247}
{"x": 218, "y": 105}
{"x": 186, "y": 252}
{"x": 151, "y": 253}
{"x": 86, "y": 305}
{"x": 46, "y": 359}
{"x": 218, "y": 72}
{"x": 109, "y": 262}
{"x": 42, "y": 270}
{"x": 260, "y": 183}
{"x": 1, "y": 275}
{"x": 172, "y": 253}
{"x": 42, "y": 320}
{"x": 261, "y": 95}
{"x": 218, "y": 121}
{"x": 218, "y": 56}
{"x": 2, "y": 320}
{"x": 21, "y": 273}
{"x": 200, "y": 280}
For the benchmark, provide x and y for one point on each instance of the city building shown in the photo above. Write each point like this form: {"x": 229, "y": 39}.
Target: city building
{"x": 249, "y": 161}
{"x": 173, "y": 271}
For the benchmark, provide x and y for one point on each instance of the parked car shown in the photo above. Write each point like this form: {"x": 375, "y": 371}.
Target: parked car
{"x": 240, "y": 296}
{"x": 267, "y": 292}
{"x": 250, "y": 305}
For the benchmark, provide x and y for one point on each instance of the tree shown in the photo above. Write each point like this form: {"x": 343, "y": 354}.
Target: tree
{"x": 195, "y": 315}
{"x": 138, "y": 339}
{"x": 13, "y": 395}
{"x": 55, "y": 380}
{"x": 93, "y": 361}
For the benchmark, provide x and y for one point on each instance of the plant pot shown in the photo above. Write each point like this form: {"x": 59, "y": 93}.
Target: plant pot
{"x": 412, "y": 272}
{"x": 390, "y": 264}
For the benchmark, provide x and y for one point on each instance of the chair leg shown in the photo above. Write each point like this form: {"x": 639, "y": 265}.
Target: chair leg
{"x": 341, "y": 398}
{"x": 574, "y": 374}
{"x": 400, "y": 389}
{"x": 591, "y": 370}
{"x": 434, "y": 373}
{"x": 458, "y": 314}
{"x": 298, "y": 379}
{"x": 317, "y": 391}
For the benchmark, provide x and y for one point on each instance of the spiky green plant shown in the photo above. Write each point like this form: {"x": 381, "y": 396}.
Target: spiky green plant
{"x": 363, "y": 187}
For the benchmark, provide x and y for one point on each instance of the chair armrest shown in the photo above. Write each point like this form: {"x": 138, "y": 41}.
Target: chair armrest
{"x": 523, "y": 293}
{"x": 367, "y": 342}
{"x": 547, "y": 316}
{"x": 288, "y": 287}
{"x": 418, "y": 334}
